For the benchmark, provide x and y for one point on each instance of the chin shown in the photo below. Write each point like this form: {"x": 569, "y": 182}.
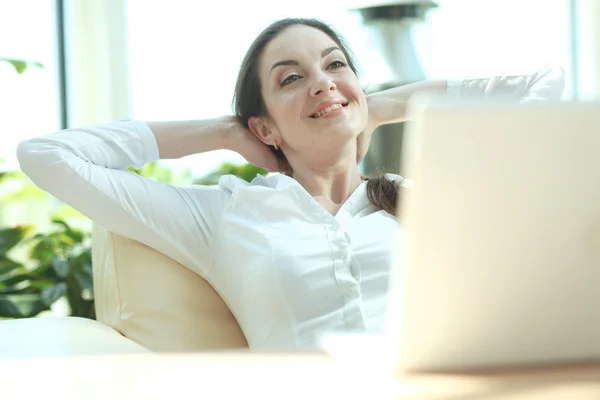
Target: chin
{"x": 343, "y": 131}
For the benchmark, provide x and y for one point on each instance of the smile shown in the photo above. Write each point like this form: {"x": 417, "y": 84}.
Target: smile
{"x": 329, "y": 109}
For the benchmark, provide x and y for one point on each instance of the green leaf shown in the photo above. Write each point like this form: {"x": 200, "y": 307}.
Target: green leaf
{"x": 81, "y": 267}
{"x": 60, "y": 266}
{"x": 74, "y": 235}
{"x": 21, "y": 65}
{"x": 19, "y": 289}
{"x": 62, "y": 242}
{"x": 7, "y": 265}
{"x": 53, "y": 293}
{"x": 43, "y": 250}
{"x": 44, "y": 271}
{"x": 14, "y": 279}
{"x": 84, "y": 277}
{"x": 58, "y": 221}
{"x": 36, "y": 285}
{"x": 80, "y": 307}
{"x": 246, "y": 172}
{"x": 8, "y": 309}
{"x": 10, "y": 237}
{"x": 21, "y": 305}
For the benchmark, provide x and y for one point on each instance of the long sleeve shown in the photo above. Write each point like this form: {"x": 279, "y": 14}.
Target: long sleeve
{"x": 547, "y": 83}
{"x": 86, "y": 168}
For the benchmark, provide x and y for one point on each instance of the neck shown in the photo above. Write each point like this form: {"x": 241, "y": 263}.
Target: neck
{"x": 329, "y": 181}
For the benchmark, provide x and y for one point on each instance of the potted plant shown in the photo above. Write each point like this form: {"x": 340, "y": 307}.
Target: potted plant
{"x": 60, "y": 265}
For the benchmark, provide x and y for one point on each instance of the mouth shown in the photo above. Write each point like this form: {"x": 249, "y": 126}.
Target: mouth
{"x": 329, "y": 109}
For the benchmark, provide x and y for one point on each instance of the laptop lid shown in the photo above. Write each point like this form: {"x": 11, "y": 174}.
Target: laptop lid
{"x": 501, "y": 246}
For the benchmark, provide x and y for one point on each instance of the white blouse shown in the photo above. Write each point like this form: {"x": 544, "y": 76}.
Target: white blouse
{"x": 289, "y": 270}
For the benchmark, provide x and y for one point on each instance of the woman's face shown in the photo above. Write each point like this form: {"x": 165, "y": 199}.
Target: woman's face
{"x": 313, "y": 97}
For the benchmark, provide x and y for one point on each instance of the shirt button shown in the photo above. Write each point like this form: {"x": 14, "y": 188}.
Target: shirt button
{"x": 353, "y": 290}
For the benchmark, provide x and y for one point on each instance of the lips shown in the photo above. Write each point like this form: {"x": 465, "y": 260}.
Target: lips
{"x": 327, "y": 107}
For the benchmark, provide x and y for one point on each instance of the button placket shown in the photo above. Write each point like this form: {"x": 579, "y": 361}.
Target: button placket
{"x": 343, "y": 253}
{"x": 344, "y": 269}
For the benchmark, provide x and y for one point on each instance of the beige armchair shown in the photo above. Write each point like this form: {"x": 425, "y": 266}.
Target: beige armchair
{"x": 145, "y": 302}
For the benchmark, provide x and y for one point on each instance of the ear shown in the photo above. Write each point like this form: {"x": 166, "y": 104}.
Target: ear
{"x": 262, "y": 130}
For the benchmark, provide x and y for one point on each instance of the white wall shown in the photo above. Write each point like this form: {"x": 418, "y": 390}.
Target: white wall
{"x": 98, "y": 81}
{"x": 588, "y": 52}
{"x": 497, "y": 36}
{"x": 185, "y": 55}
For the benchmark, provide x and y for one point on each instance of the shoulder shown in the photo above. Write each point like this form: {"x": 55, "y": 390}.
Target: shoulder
{"x": 232, "y": 182}
{"x": 403, "y": 182}
{"x": 394, "y": 177}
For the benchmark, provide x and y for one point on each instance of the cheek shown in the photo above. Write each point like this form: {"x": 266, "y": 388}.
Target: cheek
{"x": 351, "y": 85}
{"x": 284, "y": 107}
{"x": 284, "y": 111}
{"x": 360, "y": 94}
{"x": 355, "y": 90}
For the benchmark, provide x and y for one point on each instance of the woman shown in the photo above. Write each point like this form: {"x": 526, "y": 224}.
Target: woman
{"x": 295, "y": 255}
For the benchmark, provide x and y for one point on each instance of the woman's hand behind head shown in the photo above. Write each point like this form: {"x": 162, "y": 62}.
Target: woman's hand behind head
{"x": 364, "y": 139}
{"x": 242, "y": 141}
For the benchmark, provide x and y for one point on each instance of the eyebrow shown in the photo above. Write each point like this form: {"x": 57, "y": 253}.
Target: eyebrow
{"x": 295, "y": 62}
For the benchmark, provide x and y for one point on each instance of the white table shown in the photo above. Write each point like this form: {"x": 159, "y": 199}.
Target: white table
{"x": 272, "y": 376}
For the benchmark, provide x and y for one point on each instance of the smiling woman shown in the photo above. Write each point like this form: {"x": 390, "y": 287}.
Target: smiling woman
{"x": 310, "y": 109}
{"x": 295, "y": 255}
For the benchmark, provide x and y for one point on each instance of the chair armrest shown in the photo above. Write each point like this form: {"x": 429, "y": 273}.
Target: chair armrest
{"x": 61, "y": 337}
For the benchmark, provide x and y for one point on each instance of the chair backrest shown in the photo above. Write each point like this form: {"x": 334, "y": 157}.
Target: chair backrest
{"x": 157, "y": 302}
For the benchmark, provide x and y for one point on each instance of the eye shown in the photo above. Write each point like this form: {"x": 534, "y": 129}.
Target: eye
{"x": 290, "y": 79}
{"x": 336, "y": 64}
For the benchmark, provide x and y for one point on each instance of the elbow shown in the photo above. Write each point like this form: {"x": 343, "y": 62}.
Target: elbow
{"x": 38, "y": 160}
{"x": 26, "y": 156}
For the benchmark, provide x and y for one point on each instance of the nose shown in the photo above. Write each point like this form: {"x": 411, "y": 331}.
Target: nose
{"x": 323, "y": 85}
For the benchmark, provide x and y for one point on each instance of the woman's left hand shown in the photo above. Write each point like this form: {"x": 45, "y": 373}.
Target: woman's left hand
{"x": 373, "y": 121}
{"x": 364, "y": 140}
{"x": 389, "y": 106}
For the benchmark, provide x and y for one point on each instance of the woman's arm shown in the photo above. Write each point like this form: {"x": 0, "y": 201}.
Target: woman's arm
{"x": 86, "y": 168}
{"x": 389, "y": 106}
{"x": 177, "y": 139}
{"x": 546, "y": 83}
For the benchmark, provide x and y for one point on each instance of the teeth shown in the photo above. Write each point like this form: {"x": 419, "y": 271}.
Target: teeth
{"x": 328, "y": 109}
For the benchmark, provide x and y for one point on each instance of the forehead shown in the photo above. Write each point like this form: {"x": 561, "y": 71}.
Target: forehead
{"x": 295, "y": 42}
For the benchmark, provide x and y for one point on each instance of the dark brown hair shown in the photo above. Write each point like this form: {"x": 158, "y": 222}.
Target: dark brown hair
{"x": 249, "y": 102}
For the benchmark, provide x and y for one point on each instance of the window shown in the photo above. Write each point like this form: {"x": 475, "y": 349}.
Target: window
{"x": 495, "y": 36}
{"x": 29, "y": 103}
{"x": 185, "y": 55}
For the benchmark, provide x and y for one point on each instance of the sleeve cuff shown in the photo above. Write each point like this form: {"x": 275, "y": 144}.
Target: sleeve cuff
{"x": 148, "y": 141}
{"x": 546, "y": 83}
{"x": 453, "y": 88}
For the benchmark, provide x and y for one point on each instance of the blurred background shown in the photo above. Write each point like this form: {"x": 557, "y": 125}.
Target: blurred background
{"x": 68, "y": 63}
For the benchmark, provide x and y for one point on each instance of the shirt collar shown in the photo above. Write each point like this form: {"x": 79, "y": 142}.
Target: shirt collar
{"x": 357, "y": 201}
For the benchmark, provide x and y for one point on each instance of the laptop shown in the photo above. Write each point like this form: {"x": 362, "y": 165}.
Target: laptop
{"x": 500, "y": 260}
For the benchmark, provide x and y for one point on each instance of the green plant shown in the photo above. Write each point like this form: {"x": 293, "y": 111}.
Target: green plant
{"x": 21, "y": 65}
{"x": 60, "y": 265}
{"x": 246, "y": 172}
{"x": 162, "y": 173}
